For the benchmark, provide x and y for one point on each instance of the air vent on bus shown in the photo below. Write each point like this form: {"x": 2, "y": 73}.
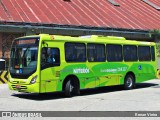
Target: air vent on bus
{"x": 57, "y": 73}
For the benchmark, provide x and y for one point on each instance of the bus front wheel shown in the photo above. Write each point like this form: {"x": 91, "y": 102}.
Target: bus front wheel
{"x": 71, "y": 88}
{"x": 129, "y": 82}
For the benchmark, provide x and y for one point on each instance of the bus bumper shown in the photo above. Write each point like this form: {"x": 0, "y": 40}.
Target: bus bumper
{"x": 31, "y": 88}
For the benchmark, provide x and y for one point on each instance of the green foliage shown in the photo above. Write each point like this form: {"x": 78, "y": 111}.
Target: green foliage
{"x": 156, "y": 35}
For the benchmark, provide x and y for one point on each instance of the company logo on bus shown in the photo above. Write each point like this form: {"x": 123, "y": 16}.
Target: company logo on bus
{"x": 81, "y": 70}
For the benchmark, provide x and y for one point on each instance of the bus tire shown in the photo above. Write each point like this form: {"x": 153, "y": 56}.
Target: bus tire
{"x": 68, "y": 89}
{"x": 71, "y": 88}
{"x": 129, "y": 82}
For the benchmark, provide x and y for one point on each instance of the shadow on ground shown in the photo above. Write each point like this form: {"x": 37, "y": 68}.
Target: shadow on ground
{"x": 60, "y": 95}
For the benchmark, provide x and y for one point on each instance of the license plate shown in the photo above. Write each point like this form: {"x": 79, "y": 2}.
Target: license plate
{"x": 18, "y": 86}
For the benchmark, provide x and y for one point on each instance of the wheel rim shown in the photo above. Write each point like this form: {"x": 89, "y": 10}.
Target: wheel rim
{"x": 71, "y": 87}
{"x": 129, "y": 82}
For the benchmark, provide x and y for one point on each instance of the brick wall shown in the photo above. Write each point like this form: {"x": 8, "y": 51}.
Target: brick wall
{"x": 5, "y": 44}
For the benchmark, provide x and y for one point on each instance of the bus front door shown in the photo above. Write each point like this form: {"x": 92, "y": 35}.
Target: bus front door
{"x": 50, "y": 62}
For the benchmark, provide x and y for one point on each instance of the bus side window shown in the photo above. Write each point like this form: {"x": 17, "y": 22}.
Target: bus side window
{"x": 53, "y": 55}
{"x": 56, "y": 55}
{"x": 75, "y": 52}
{"x": 144, "y": 53}
{"x": 130, "y": 53}
{"x": 96, "y": 52}
{"x": 50, "y": 55}
{"x": 114, "y": 53}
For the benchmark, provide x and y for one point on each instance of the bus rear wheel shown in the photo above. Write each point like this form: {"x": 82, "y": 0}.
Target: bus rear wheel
{"x": 129, "y": 82}
{"x": 71, "y": 88}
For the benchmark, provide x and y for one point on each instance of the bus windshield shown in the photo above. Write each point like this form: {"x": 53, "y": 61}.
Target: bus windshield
{"x": 23, "y": 57}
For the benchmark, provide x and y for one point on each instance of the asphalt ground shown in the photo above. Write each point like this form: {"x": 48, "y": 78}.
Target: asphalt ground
{"x": 146, "y": 97}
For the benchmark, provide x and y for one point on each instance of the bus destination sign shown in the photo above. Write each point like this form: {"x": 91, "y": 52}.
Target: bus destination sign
{"x": 26, "y": 41}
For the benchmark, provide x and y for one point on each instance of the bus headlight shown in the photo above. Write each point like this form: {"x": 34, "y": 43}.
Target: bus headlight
{"x": 33, "y": 80}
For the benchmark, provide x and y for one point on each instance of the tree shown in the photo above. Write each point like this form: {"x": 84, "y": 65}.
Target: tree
{"x": 155, "y": 34}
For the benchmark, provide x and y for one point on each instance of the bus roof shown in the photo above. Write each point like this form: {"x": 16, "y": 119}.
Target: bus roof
{"x": 91, "y": 38}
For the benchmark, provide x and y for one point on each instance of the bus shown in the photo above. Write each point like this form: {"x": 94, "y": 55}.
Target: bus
{"x": 50, "y": 63}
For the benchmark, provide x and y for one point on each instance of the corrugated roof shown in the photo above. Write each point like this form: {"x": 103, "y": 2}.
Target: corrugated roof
{"x": 131, "y": 14}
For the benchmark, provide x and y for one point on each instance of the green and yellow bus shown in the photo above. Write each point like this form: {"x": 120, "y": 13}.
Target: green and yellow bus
{"x": 49, "y": 63}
